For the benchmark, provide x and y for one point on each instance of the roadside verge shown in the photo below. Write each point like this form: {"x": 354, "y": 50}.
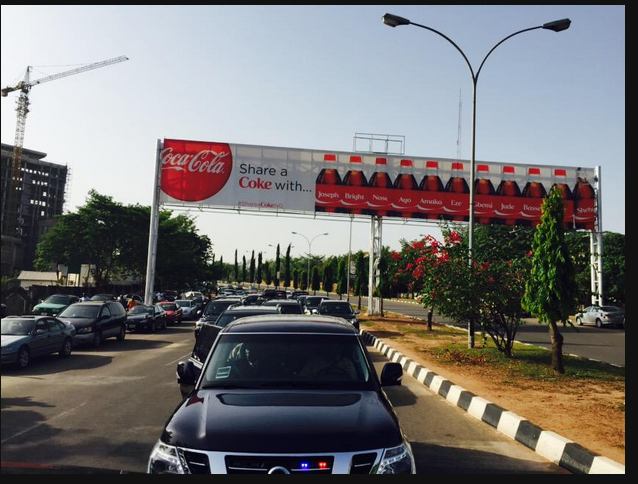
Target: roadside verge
{"x": 550, "y": 445}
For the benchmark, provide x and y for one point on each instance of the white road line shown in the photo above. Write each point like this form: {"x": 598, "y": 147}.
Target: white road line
{"x": 178, "y": 359}
{"x": 42, "y": 423}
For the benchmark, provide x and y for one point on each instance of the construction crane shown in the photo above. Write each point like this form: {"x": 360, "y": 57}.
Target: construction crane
{"x": 11, "y": 202}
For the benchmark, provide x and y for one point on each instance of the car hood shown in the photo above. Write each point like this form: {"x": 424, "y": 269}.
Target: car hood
{"x": 79, "y": 322}
{"x": 252, "y": 421}
{"x": 49, "y": 306}
{"x": 10, "y": 339}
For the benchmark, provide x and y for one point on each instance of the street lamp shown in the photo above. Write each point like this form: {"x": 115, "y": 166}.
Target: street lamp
{"x": 556, "y": 26}
{"x": 310, "y": 241}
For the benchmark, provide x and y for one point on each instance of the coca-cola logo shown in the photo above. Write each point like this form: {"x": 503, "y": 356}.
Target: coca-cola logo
{"x": 194, "y": 171}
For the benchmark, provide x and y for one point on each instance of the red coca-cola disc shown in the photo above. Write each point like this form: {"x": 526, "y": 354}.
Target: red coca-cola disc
{"x": 194, "y": 171}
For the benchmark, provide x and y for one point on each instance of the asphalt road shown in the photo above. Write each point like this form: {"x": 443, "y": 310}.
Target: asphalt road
{"x": 606, "y": 344}
{"x": 106, "y": 408}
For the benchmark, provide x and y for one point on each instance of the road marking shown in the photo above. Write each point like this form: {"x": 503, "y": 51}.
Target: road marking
{"x": 63, "y": 414}
{"x": 178, "y": 359}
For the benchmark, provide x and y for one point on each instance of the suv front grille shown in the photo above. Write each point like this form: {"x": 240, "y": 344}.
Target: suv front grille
{"x": 279, "y": 465}
{"x": 197, "y": 463}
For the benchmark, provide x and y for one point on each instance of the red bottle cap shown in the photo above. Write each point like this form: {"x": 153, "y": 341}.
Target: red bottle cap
{"x": 509, "y": 169}
{"x": 406, "y": 163}
{"x": 330, "y": 158}
{"x": 483, "y": 168}
{"x": 431, "y": 164}
{"x": 382, "y": 161}
{"x": 355, "y": 159}
{"x": 560, "y": 172}
{"x": 534, "y": 171}
{"x": 457, "y": 166}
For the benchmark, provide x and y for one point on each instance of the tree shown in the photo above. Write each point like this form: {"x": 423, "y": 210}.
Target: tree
{"x": 383, "y": 285}
{"x": 295, "y": 279}
{"x": 316, "y": 279}
{"x": 342, "y": 277}
{"x": 236, "y": 267}
{"x": 361, "y": 279}
{"x": 549, "y": 292}
{"x": 303, "y": 283}
{"x": 277, "y": 267}
{"x": 259, "y": 269}
{"x": 267, "y": 273}
{"x": 243, "y": 269}
{"x": 328, "y": 276}
{"x": 287, "y": 267}
{"x": 252, "y": 268}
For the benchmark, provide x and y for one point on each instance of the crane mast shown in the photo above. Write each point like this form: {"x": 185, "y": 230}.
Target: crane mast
{"x": 12, "y": 207}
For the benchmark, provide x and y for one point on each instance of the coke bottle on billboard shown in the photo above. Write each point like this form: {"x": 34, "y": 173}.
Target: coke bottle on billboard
{"x": 328, "y": 176}
{"x": 584, "y": 199}
{"x": 381, "y": 179}
{"x": 484, "y": 186}
{"x": 355, "y": 178}
{"x": 457, "y": 184}
{"x": 406, "y": 182}
{"x": 509, "y": 188}
{"x": 432, "y": 182}
{"x": 534, "y": 189}
{"x": 560, "y": 182}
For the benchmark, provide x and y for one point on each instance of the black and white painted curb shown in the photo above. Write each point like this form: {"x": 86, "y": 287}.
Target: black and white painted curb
{"x": 553, "y": 447}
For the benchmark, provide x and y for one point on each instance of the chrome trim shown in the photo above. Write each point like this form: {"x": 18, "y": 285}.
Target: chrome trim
{"x": 342, "y": 460}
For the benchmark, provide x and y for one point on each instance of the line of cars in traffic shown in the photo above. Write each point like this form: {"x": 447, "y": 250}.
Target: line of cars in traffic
{"x": 62, "y": 322}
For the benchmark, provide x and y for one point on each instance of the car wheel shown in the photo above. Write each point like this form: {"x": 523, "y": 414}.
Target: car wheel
{"x": 24, "y": 357}
{"x": 122, "y": 335}
{"x": 152, "y": 327}
{"x": 579, "y": 322}
{"x": 599, "y": 323}
{"x": 67, "y": 347}
{"x": 97, "y": 340}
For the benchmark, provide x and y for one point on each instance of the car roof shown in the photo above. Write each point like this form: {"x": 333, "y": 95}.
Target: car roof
{"x": 253, "y": 309}
{"x": 94, "y": 303}
{"x": 291, "y": 323}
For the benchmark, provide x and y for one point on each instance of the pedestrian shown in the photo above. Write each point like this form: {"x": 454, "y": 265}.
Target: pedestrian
{"x": 131, "y": 304}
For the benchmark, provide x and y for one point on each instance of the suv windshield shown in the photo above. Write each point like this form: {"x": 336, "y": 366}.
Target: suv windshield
{"x": 79, "y": 311}
{"x": 336, "y": 308}
{"x": 183, "y": 304}
{"x": 284, "y": 361}
{"x": 313, "y": 301}
{"x": 17, "y": 327}
{"x": 169, "y": 307}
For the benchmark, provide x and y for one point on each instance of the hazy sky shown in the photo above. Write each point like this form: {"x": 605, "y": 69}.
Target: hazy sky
{"x": 312, "y": 77}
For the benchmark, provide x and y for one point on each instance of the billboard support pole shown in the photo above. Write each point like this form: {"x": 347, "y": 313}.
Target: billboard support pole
{"x": 376, "y": 226}
{"x": 153, "y": 230}
{"x": 596, "y": 247}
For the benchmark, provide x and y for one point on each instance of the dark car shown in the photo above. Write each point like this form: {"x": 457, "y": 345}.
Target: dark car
{"x": 146, "y": 318}
{"x": 104, "y": 297}
{"x": 269, "y": 294}
{"x": 214, "y": 309}
{"x": 339, "y": 309}
{"x": 311, "y": 303}
{"x": 296, "y": 294}
{"x": 210, "y": 330}
{"x": 174, "y": 313}
{"x": 96, "y": 321}
{"x": 25, "y": 337}
{"x": 285, "y": 395}
{"x": 286, "y": 306}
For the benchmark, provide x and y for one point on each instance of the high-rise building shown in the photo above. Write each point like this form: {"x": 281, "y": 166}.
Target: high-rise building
{"x": 41, "y": 197}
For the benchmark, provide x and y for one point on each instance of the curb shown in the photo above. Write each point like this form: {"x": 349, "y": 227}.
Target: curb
{"x": 550, "y": 445}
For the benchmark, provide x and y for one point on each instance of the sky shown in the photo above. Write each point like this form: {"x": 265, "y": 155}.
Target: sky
{"x": 311, "y": 77}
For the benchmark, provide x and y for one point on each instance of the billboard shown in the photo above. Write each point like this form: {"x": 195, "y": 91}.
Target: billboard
{"x": 262, "y": 178}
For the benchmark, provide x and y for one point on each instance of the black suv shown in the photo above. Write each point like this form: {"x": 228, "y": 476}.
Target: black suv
{"x": 96, "y": 320}
{"x": 339, "y": 309}
{"x": 285, "y": 395}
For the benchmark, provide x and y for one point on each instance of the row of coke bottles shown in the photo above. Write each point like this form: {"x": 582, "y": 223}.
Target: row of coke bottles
{"x": 432, "y": 182}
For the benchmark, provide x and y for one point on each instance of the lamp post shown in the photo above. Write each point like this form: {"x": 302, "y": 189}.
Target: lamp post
{"x": 555, "y": 26}
{"x": 310, "y": 241}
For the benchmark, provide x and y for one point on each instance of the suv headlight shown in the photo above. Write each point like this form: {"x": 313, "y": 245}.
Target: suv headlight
{"x": 398, "y": 460}
{"x": 165, "y": 460}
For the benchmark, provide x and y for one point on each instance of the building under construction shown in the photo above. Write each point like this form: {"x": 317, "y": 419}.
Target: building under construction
{"x": 40, "y": 198}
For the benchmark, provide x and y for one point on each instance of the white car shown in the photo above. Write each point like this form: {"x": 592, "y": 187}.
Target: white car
{"x": 601, "y": 316}
{"x": 188, "y": 308}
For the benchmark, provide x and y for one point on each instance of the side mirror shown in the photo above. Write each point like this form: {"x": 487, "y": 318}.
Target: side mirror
{"x": 391, "y": 375}
{"x": 40, "y": 332}
{"x": 186, "y": 373}
{"x": 358, "y": 311}
{"x": 315, "y": 311}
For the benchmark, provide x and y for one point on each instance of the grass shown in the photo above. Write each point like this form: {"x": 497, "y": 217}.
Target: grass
{"x": 529, "y": 362}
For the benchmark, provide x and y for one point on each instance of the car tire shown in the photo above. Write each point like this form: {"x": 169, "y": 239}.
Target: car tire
{"x": 579, "y": 322}
{"x": 24, "y": 358}
{"x": 599, "y": 323}
{"x": 122, "y": 335}
{"x": 67, "y": 348}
